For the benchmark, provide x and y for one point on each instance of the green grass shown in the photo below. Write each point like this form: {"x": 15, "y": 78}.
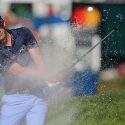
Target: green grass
{"x": 116, "y": 86}
{"x": 94, "y": 110}
{"x": 100, "y": 110}
{"x": 105, "y": 108}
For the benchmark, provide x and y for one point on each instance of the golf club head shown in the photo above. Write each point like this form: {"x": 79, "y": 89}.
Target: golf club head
{"x": 120, "y": 18}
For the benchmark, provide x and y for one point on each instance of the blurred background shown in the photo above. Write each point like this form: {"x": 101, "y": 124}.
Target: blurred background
{"x": 66, "y": 30}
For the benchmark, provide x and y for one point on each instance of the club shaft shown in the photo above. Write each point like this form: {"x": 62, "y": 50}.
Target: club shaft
{"x": 93, "y": 47}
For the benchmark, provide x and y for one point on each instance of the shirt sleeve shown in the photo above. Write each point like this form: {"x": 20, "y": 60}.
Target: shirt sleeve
{"x": 30, "y": 40}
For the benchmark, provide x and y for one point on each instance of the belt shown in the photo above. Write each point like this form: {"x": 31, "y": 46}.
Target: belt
{"x": 27, "y": 92}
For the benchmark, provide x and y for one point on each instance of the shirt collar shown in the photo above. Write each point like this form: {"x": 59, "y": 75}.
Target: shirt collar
{"x": 13, "y": 33}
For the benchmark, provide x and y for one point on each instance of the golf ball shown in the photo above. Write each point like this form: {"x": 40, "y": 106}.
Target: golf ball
{"x": 90, "y": 9}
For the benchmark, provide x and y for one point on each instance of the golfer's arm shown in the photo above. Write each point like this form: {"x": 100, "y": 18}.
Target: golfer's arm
{"x": 17, "y": 69}
{"x": 26, "y": 72}
{"x": 39, "y": 72}
{"x": 36, "y": 56}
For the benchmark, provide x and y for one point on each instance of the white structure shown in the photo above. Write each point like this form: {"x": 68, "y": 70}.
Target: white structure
{"x": 39, "y": 6}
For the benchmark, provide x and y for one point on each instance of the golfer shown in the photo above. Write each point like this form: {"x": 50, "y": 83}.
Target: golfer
{"x": 20, "y": 101}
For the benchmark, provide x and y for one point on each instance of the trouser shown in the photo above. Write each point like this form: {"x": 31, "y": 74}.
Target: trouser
{"x": 16, "y": 107}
